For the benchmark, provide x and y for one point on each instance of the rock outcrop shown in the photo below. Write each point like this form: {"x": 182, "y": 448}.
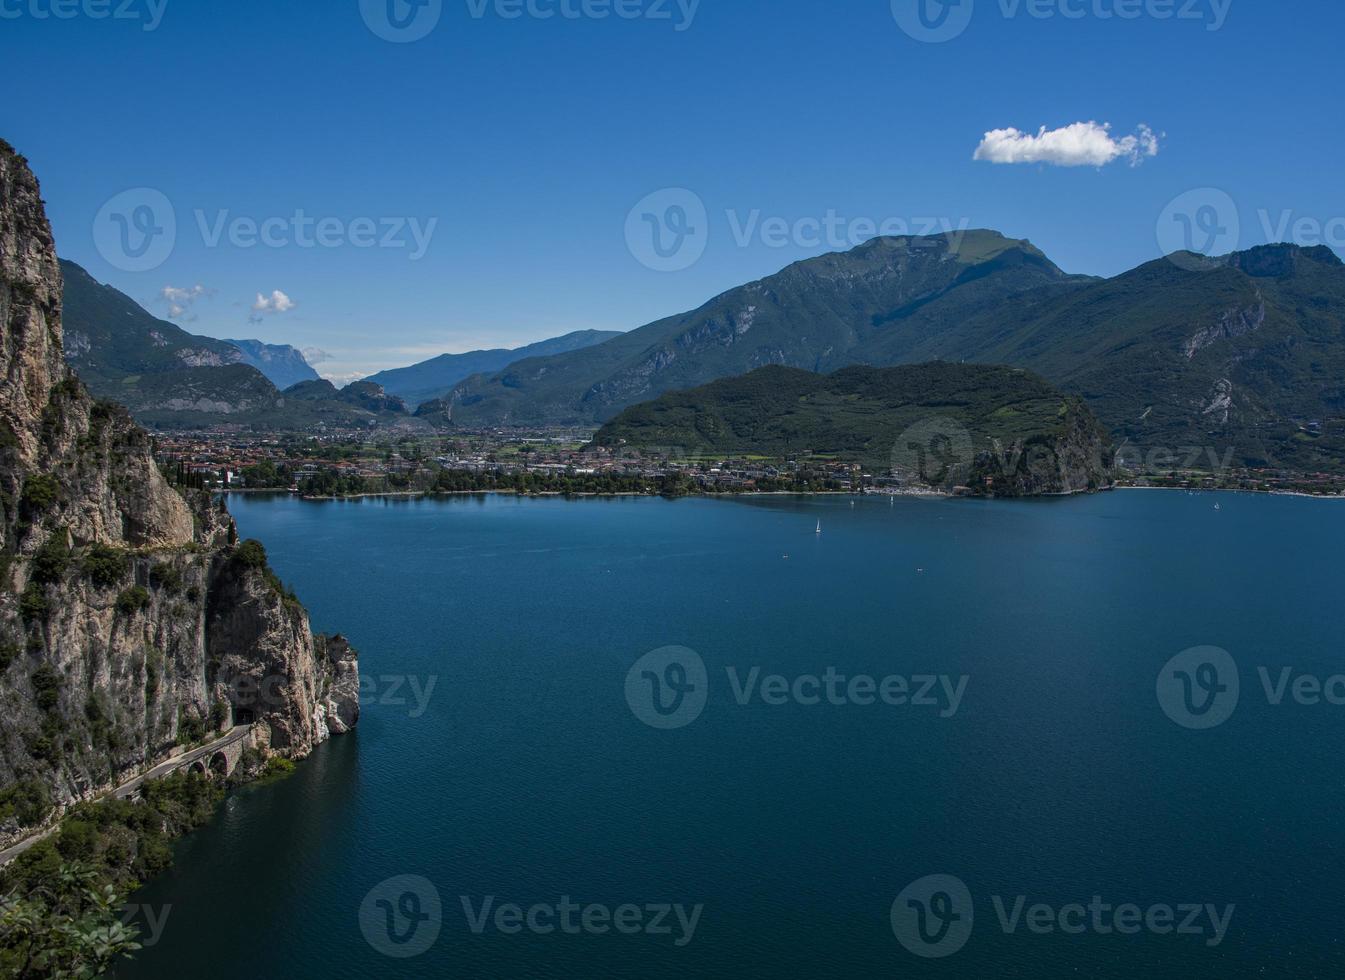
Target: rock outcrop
{"x": 131, "y": 619}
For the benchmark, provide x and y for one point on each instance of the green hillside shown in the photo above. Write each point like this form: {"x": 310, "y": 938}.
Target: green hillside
{"x": 1231, "y": 361}
{"x": 169, "y": 378}
{"x": 938, "y": 424}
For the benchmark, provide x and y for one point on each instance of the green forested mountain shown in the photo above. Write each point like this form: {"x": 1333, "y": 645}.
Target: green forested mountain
{"x": 813, "y": 315}
{"x": 173, "y": 379}
{"x": 935, "y": 424}
{"x": 1241, "y": 358}
{"x": 110, "y": 337}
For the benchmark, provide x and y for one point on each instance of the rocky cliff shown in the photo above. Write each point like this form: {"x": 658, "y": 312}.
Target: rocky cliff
{"x": 131, "y": 619}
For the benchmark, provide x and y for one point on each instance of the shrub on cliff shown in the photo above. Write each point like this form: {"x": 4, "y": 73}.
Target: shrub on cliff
{"x": 105, "y": 566}
{"x": 132, "y": 600}
{"x": 166, "y": 577}
{"x": 251, "y": 554}
{"x": 39, "y": 493}
{"x": 27, "y": 801}
{"x": 52, "y": 559}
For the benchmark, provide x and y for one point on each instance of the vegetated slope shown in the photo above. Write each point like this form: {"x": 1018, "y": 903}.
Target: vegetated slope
{"x": 813, "y": 315}
{"x": 992, "y": 429}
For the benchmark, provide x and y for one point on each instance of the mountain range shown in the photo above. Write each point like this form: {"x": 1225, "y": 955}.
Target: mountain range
{"x": 436, "y": 378}
{"x": 1241, "y": 357}
{"x": 170, "y": 378}
{"x": 1238, "y": 360}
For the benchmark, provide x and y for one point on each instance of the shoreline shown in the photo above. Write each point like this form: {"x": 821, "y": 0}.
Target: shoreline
{"x": 908, "y": 494}
{"x": 1263, "y": 493}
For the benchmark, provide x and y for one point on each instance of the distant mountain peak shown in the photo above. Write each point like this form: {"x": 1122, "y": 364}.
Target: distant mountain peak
{"x": 434, "y": 379}
{"x": 282, "y": 364}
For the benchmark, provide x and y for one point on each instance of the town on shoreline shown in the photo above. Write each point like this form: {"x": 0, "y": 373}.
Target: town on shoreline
{"x": 565, "y": 462}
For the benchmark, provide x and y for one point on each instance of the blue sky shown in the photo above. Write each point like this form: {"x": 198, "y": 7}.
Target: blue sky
{"x": 518, "y": 146}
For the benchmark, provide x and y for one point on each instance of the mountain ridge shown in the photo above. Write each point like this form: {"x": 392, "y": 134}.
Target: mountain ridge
{"x": 809, "y": 315}
{"x": 1241, "y": 355}
{"x": 434, "y": 378}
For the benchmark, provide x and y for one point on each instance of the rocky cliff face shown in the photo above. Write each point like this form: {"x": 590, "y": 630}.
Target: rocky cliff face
{"x": 131, "y": 620}
{"x": 1078, "y": 457}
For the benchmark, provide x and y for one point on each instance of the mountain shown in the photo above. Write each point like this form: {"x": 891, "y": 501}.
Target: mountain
{"x": 154, "y": 367}
{"x": 110, "y": 337}
{"x": 282, "y": 364}
{"x": 994, "y": 429}
{"x": 813, "y": 315}
{"x": 435, "y": 378}
{"x": 1238, "y": 360}
{"x": 131, "y": 620}
{"x": 169, "y": 378}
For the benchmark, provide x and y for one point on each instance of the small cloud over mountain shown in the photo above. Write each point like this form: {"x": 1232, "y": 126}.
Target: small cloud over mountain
{"x": 277, "y": 302}
{"x": 180, "y": 300}
{"x": 316, "y": 355}
{"x": 1081, "y": 144}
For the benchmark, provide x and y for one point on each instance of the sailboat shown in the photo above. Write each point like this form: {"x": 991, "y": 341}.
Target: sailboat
{"x": 819, "y": 527}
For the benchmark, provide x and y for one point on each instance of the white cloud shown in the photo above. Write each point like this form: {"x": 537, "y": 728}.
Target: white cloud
{"x": 316, "y": 355}
{"x": 1082, "y": 144}
{"x": 180, "y": 300}
{"x": 277, "y": 302}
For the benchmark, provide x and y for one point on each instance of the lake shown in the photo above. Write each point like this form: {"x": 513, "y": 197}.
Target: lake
{"x": 981, "y": 691}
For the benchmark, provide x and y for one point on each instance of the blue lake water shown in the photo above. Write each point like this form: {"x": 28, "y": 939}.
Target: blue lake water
{"x": 524, "y": 772}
